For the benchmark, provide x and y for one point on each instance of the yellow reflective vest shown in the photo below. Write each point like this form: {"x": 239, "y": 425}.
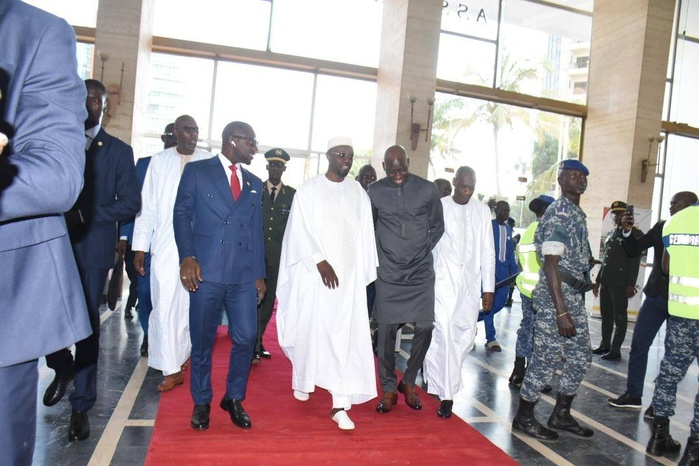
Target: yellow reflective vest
{"x": 526, "y": 252}
{"x": 681, "y": 239}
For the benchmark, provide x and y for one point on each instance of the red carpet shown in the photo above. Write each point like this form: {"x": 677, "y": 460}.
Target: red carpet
{"x": 289, "y": 432}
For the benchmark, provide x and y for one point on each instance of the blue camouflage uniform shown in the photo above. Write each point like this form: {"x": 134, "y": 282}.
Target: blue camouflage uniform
{"x": 563, "y": 223}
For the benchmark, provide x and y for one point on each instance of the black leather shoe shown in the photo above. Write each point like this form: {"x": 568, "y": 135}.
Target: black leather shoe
{"x": 200, "y": 417}
{"x": 264, "y": 353}
{"x": 57, "y": 389}
{"x": 255, "y": 358}
{"x": 444, "y": 410}
{"x": 611, "y": 356}
{"x": 79, "y": 426}
{"x": 601, "y": 350}
{"x": 238, "y": 414}
{"x": 144, "y": 347}
{"x": 128, "y": 315}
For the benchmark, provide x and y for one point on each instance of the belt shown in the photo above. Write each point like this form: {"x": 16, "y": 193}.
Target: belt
{"x": 581, "y": 286}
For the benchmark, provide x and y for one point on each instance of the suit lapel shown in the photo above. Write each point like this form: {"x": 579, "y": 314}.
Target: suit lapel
{"x": 218, "y": 178}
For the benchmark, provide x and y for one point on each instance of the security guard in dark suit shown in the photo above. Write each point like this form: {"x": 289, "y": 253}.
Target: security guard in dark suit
{"x": 615, "y": 284}
{"x": 276, "y": 204}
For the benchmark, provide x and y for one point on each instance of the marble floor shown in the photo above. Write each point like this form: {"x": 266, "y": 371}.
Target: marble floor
{"x": 122, "y": 420}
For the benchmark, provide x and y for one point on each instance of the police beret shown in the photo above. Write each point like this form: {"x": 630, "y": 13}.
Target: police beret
{"x": 572, "y": 164}
{"x": 277, "y": 155}
{"x": 541, "y": 201}
{"x": 618, "y": 206}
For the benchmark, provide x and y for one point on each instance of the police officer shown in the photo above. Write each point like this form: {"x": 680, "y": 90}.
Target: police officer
{"x": 276, "y": 203}
{"x": 561, "y": 242}
{"x": 615, "y": 284}
{"x": 681, "y": 261}
{"x": 526, "y": 281}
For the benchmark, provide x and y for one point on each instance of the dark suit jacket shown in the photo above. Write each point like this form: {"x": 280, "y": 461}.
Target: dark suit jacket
{"x": 275, "y": 217}
{"x": 658, "y": 282}
{"x": 224, "y": 235}
{"x": 110, "y": 195}
{"x": 141, "y": 169}
{"x": 619, "y": 267}
{"x": 43, "y": 306}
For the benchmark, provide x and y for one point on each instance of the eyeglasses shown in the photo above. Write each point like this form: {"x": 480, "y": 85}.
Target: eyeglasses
{"x": 189, "y": 129}
{"x": 169, "y": 135}
{"x": 252, "y": 141}
{"x": 343, "y": 155}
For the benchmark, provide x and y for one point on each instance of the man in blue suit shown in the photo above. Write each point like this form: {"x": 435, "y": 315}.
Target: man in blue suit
{"x": 42, "y": 110}
{"x": 218, "y": 229}
{"x": 110, "y": 195}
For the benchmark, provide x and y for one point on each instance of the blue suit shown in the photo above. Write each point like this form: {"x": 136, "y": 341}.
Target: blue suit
{"x": 503, "y": 269}
{"x": 110, "y": 195}
{"x": 226, "y": 238}
{"x": 143, "y": 282}
{"x": 41, "y": 175}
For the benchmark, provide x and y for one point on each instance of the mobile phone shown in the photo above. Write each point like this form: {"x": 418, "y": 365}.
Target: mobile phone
{"x": 629, "y": 209}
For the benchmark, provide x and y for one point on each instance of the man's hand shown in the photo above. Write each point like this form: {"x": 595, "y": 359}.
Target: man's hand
{"x": 190, "y": 274}
{"x": 487, "y": 301}
{"x": 327, "y": 273}
{"x": 595, "y": 290}
{"x": 261, "y": 288}
{"x": 139, "y": 260}
{"x": 630, "y": 291}
{"x": 122, "y": 246}
{"x": 565, "y": 325}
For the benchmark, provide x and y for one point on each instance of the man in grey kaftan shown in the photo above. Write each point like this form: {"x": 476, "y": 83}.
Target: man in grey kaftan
{"x": 409, "y": 223}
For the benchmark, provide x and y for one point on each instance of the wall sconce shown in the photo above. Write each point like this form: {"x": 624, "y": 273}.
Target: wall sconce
{"x": 103, "y": 56}
{"x": 415, "y": 128}
{"x": 646, "y": 164}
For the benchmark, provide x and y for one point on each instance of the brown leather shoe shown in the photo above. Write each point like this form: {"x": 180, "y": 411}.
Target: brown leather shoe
{"x": 411, "y": 398}
{"x": 171, "y": 381}
{"x": 389, "y": 400}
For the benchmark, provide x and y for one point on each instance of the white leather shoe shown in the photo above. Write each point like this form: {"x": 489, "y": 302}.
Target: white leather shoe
{"x": 301, "y": 396}
{"x": 343, "y": 420}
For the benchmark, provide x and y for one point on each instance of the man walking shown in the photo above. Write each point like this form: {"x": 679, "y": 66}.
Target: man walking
{"x": 464, "y": 263}
{"x": 328, "y": 258}
{"x": 561, "y": 322}
{"x": 409, "y": 222}
{"x": 218, "y": 198}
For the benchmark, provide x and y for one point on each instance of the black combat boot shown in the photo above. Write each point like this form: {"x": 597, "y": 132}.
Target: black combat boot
{"x": 661, "y": 441}
{"x": 561, "y": 418}
{"x": 691, "y": 453}
{"x": 525, "y": 421}
{"x": 518, "y": 372}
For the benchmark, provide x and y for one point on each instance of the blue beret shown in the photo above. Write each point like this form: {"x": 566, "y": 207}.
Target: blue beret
{"x": 542, "y": 200}
{"x": 573, "y": 164}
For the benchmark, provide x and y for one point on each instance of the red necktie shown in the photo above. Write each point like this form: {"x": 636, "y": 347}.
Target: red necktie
{"x": 235, "y": 184}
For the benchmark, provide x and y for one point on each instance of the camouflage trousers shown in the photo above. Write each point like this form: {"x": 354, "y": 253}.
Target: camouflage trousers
{"x": 549, "y": 346}
{"x": 681, "y": 348}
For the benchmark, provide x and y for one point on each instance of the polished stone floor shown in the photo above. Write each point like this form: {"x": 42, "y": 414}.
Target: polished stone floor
{"x": 122, "y": 420}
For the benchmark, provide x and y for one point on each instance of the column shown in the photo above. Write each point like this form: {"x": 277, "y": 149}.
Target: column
{"x": 628, "y": 66}
{"x": 407, "y": 67}
{"x": 124, "y": 34}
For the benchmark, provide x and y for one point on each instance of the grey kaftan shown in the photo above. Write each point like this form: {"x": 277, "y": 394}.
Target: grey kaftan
{"x": 409, "y": 223}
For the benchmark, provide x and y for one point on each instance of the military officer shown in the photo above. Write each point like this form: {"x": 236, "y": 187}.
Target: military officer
{"x": 561, "y": 242}
{"x": 276, "y": 203}
{"x": 615, "y": 284}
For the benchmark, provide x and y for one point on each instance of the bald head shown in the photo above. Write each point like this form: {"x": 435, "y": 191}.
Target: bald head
{"x": 395, "y": 164}
{"x": 681, "y": 200}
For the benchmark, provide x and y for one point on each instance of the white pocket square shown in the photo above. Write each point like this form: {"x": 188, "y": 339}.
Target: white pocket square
{"x": 253, "y": 192}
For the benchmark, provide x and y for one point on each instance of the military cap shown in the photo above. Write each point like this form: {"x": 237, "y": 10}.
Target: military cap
{"x": 277, "y": 155}
{"x": 573, "y": 164}
{"x": 618, "y": 206}
{"x": 339, "y": 141}
{"x": 541, "y": 201}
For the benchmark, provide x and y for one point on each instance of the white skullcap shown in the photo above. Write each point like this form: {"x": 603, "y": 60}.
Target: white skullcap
{"x": 339, "y": 141}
